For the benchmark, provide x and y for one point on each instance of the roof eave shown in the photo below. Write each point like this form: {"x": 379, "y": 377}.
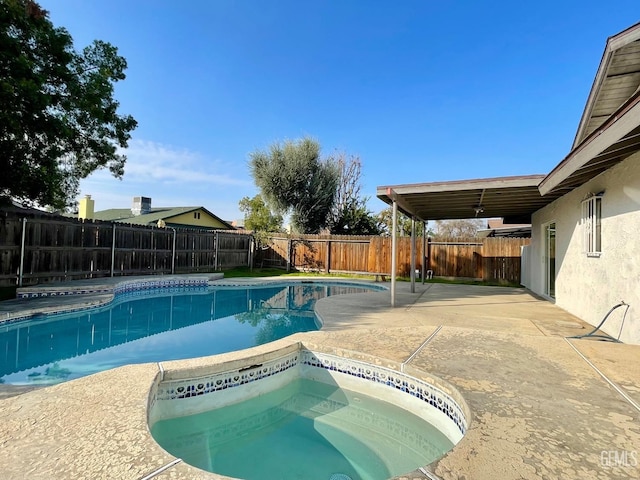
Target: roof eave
{"x": 621, "y": 123}
{"x": 614, "y": 43}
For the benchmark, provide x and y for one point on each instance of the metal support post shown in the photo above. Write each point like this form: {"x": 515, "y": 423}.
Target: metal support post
{"x": 394, "y": 248}
{"x": 413, "y": 255}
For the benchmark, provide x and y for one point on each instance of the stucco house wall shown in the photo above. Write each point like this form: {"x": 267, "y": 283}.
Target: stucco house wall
{"x": 197, "y": 218}
{"x": 589, "y": 286}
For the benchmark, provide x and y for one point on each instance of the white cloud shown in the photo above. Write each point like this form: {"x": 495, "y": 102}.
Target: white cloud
{"x": 149, "y": 160}
{"x": 171, "y": 177}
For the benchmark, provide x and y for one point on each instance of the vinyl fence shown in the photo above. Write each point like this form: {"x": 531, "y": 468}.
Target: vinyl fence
{"x": 491, "y": 259}
{"x": 37, "y": 248}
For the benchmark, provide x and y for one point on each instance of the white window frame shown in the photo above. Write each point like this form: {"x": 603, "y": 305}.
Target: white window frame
{"x": 592, "y": 225}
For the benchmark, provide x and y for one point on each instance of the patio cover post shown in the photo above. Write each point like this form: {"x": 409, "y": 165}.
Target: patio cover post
{"x": 394, "y": 227}
{"x": 424, "y": 249}
{"x": 413, "y": 255}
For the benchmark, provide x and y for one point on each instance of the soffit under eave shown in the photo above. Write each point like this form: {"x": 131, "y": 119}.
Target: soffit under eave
{"x": 617, "y": 78}
{"x": 447, "y": 201}
{"x": 618, "y": 138}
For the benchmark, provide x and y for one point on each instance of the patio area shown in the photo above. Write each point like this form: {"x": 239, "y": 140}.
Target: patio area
{"x": 540, "y": 409}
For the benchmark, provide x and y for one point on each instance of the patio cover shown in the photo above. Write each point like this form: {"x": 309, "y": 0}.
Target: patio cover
{"x": 609, "y": 132}
{"x": 512, "y": 198}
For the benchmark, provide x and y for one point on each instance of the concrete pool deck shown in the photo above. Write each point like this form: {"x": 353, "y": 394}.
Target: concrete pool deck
{"x": 539, "y": 408}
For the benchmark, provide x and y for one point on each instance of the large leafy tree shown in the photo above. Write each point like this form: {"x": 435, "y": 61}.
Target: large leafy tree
{"x": 294, "y": 179}
{"x": 350, "y": 214}
{"x": 58, "y": 117}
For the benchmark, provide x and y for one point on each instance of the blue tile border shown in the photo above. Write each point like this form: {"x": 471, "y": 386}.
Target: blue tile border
{"x": 176, "y": 389}
{"x": 422, "y": 390}
{"x": 320, "y": 281}
{"x": 124, "y": 286}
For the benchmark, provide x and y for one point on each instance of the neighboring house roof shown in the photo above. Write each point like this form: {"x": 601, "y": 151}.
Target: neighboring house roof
{"x": 494, "y": 223}
{"x": 124, "y": 215}
{"x": 520, "y": 231}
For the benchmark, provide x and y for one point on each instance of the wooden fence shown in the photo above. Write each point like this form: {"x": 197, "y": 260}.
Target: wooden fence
{"x": 37, "y": 248}
{"x": 490, "y": 259}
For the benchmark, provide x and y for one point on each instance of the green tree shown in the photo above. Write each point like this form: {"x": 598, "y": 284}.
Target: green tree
{"x": 258, "y": 216}
{"x": 58, "y": 118}
{"x": 461, "y": 228}
{"x": 350, "y": 215}
{"x": 294, "y": 179}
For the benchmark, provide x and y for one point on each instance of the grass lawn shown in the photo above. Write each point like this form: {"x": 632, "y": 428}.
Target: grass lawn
{"x": 277, "y": 272}
{"x": 8, "y": 293}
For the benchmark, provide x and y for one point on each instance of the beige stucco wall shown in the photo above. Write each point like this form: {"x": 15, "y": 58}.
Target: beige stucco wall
{"x": 589, "y": 286}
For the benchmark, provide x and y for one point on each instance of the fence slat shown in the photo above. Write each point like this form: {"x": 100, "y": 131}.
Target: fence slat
{"x": 60, "y": 248}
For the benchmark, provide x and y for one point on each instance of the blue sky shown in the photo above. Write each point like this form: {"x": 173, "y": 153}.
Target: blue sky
{"x": 420, "y": 90}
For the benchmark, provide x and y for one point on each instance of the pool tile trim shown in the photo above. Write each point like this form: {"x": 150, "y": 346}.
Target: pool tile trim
{"x": 177, "y": 389}
{"x": 120, "y": 287}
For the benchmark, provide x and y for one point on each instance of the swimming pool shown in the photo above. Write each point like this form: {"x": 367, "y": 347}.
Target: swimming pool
{"x": 159, "y": 325}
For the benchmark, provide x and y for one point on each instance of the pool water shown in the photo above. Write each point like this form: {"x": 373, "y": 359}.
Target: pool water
{"x": 306, "y": 430}
{"x": 157, "y": 325}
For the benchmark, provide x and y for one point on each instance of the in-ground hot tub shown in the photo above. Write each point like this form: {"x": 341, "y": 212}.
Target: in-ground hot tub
{"x": 299, "y": 412}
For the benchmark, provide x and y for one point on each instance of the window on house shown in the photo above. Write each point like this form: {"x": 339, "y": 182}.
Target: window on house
{"x": 196, "y": 214}
{"x": 592, "y": 225}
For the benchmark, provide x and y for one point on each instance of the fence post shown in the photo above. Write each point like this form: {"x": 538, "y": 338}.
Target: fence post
{"x": 173, "y": 253}
{"x": 22, "y": 246}
{"x": 113, "y": 250}
{"x": 252, "y": 246}
{"x": 216, "y": 253}
{"x": 289, "y": 255}
{"x": 327, "y": 267}
{"x": 153, "y": 250}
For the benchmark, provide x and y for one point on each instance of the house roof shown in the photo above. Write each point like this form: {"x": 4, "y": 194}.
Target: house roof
{"x": 609, "y": 131}
{"x": 124, "y": 215}
{"x": 514, "y": 198}
{"x": 617, "y": 79}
